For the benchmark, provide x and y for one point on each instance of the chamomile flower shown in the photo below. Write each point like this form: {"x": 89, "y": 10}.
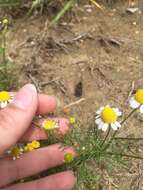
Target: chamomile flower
{"x": 31, "y": 146}
{"x": 107, "y": 117}
{"x": 16, "y": 152}
{"x": 68, "y": 157}
{"x": 49, "y": 124}
{"x": 5, "y": 98}
{"x": 137, "y": 100}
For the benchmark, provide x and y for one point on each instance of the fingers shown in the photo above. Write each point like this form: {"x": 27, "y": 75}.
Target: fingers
{"x": 17, "y": 116}
{"x": 42, "y": 159}
{"x": 46, "y": 104}
{"x": 60, "y": 181}
{"x": 35, "y": 133}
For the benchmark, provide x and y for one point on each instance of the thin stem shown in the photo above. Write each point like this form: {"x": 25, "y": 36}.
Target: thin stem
{"x": 114, "y": 134}
{"x": 125, "y": 155}
{"x": 108, "y": 132}
{"x": 4, "y": 51}
{"x": 128, "y": 116}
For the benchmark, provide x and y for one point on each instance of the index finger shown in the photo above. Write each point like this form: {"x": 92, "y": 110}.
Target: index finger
{"x": 46, "y": 104}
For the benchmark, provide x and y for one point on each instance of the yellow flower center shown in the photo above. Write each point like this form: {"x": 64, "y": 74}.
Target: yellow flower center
{"x": 68, "y": 157}
{"x": 139, "y": 96}
{"x": 49, "y": 124}
{"x": 16, "y": 151}
{"x": 4, "y": 96}
{"x": 108, "y": 115}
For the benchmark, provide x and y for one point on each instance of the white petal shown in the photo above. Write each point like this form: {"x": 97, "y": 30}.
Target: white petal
{"x": 116, "y": 109}
{"x": 10, "y": 101}
{"x": 117, "y": 124}
{"x": 133, "y": 103}
{"x": 98, "y": 121}
{"x": 100, "y": 126}
{"x": 99, "y": 111}
{"x": 3, "y": 104}
{"x": 105, "y": 126}
{"x": 56, "y": 126}
{"x": 141, "y": 109}
{"x": 118, "y": 112}
{"x": 114, "y": 127}
{"x": 12, "y": 95}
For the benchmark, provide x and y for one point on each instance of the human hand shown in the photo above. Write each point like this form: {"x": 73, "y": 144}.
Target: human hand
{"x": 15, "y": 125}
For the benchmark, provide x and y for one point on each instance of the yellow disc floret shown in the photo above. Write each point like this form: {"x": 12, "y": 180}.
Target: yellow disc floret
{"x": 4, "y": 96}
{"x": 108, "y": 115}
{"x": 49, "y": 124}
{"x": 139, "y": 96}
{"x": 68, "y": 157}
{"x": 35, "y": 144}
{"x": 31, "y": 146}
{"x": 28, "y": 148}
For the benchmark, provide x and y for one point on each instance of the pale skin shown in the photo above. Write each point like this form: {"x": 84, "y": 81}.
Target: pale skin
{"x": 15, "y": 126}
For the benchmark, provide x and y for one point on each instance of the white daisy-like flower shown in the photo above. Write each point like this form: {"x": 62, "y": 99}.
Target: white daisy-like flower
{"x": 107, "y": 117}
{"x": 137, "y": 100}
{"x": 5, "y": 98}
{"x": 49, "y": 124}
{"x": 16, "y": 152}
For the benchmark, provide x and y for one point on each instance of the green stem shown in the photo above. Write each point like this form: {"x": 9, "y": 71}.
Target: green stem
{"x": 128, "y": 116}
{"x": 4, "y": 51}
{"x": 114, "y": 134}
{"x": 108, "y": 132}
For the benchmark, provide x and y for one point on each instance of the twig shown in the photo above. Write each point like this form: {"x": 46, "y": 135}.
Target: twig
{"x": 77, "y": 38}
{"x": 97, "y": 4}
{"x": 125, "y": 155}
{"x": 33, "y": 80}
{"x": 74, "y": 103}
{"x": 49, "y": 82}
{"x": 36, "y": 124}
{"x": 128, "y": 138}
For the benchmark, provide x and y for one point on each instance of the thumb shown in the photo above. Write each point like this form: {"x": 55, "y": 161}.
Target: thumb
{"x": 17, "y": 116}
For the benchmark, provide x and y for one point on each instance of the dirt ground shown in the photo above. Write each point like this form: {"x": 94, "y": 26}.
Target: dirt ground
{"x": 91, "y": 54}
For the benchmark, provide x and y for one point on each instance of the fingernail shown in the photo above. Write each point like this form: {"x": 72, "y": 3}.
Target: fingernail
{"x": 24, "y": 97}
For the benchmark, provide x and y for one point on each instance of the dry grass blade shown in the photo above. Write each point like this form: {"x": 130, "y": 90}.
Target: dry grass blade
{"x": 96, "y": 4}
